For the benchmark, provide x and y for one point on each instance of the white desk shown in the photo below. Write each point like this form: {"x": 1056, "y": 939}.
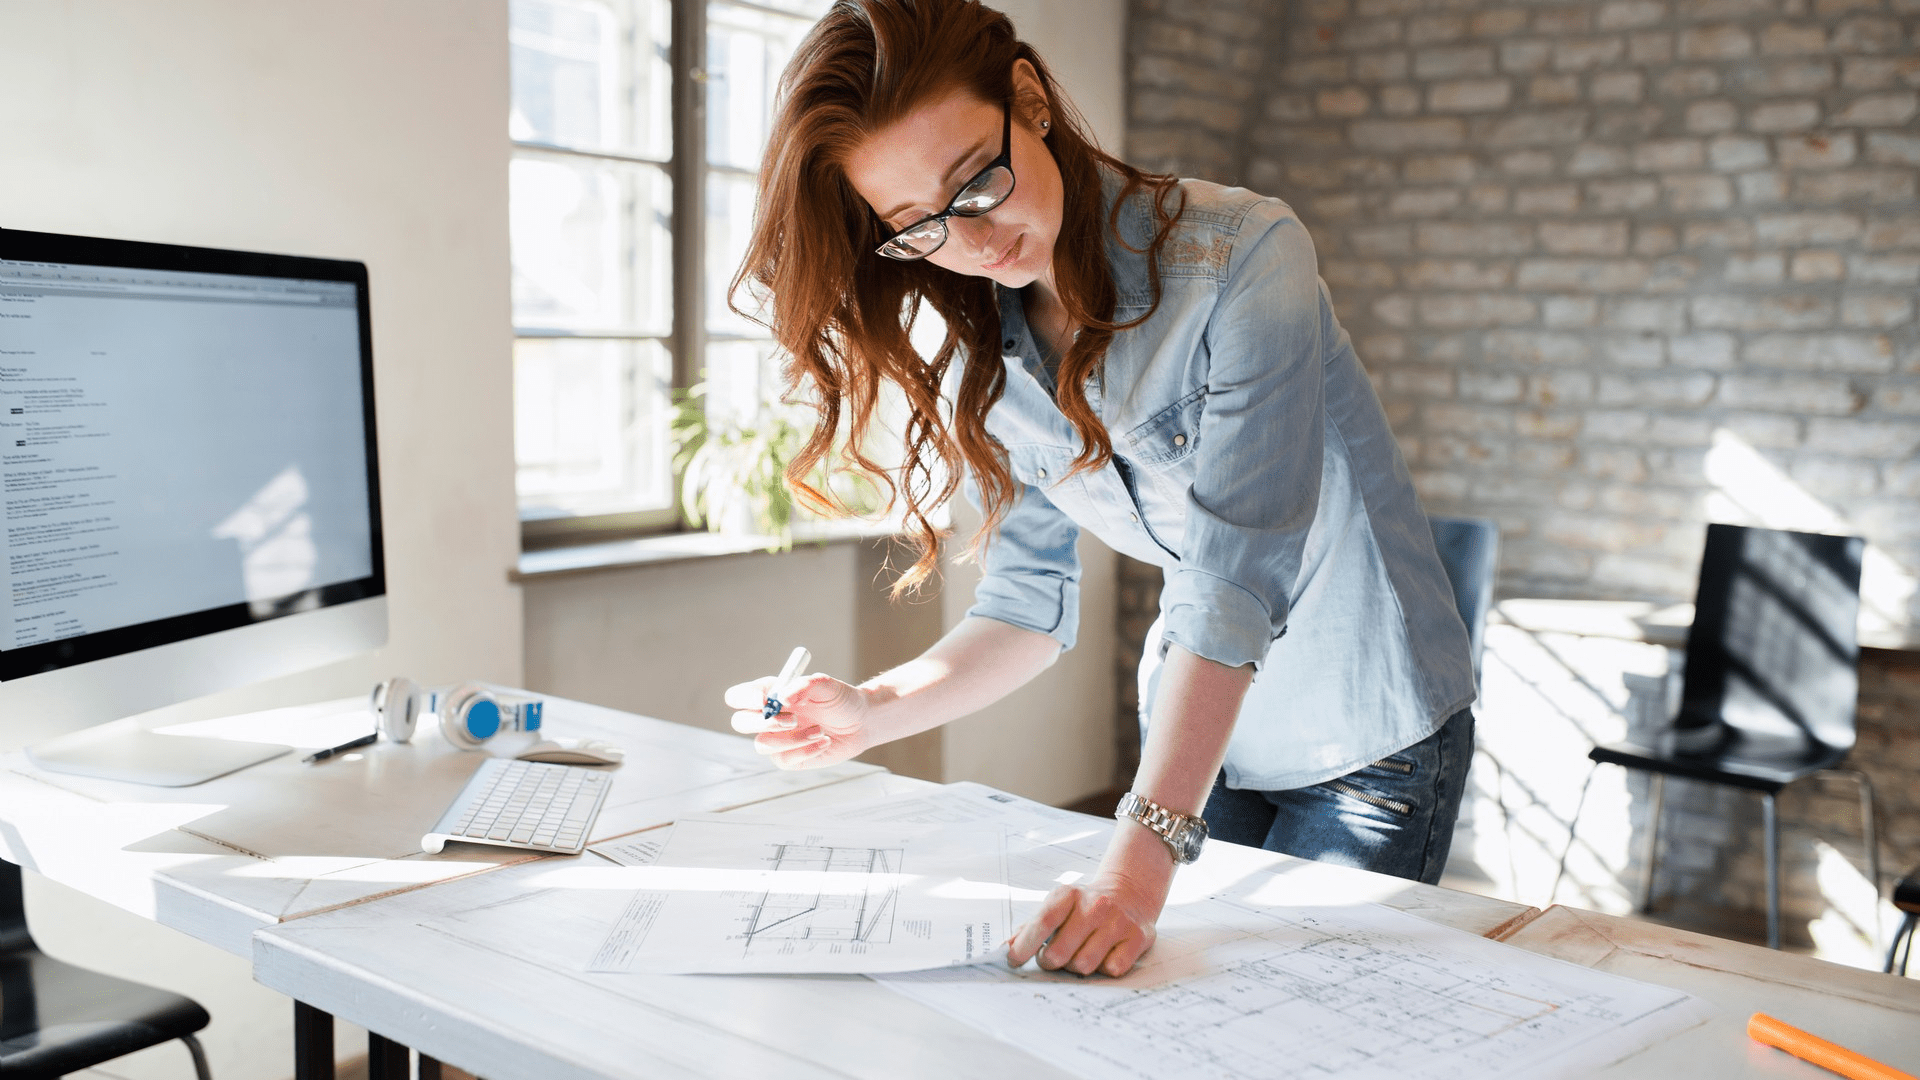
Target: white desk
{"x": 489, "y": 974}
{"x": 485, "y": 968}
{"x": 282, "y": 840}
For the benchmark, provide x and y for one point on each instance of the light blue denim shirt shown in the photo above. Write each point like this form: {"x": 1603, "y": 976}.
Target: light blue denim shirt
{"x": 1255, "y": 466}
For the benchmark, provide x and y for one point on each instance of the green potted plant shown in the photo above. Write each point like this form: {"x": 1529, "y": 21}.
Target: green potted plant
{"x": 733, "y": 475}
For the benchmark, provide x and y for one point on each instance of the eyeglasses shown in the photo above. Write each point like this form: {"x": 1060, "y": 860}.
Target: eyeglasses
{"x": 987, "y": 190}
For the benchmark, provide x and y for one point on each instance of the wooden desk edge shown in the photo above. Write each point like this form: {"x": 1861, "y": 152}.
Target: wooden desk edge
{"x": 1553, "y": 932}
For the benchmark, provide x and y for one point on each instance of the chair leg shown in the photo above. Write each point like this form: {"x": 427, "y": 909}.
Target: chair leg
{"x": 1902, "y": 936}
{"x": 200, "y": 1069}
{"x": 1873, "y": 846}
{"x": 1773, "y": 871}
{"x": 1658, "y": 798}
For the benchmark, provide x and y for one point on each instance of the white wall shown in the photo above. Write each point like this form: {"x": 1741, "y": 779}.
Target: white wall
{"x": 355, "y": 129}
{"x": 1084, "y": 42}
{"x": 666, "y": 640}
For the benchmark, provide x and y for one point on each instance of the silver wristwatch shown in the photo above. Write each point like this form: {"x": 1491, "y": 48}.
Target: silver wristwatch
{"x": 1183, "y": 835}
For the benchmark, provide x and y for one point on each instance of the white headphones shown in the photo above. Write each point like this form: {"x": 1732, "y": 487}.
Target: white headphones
{"x": 469, "y": 713}
{"x": 396, "y": 706}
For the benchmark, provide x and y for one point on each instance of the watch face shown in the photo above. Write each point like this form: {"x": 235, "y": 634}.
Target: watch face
{"x": 1192, "y": 838}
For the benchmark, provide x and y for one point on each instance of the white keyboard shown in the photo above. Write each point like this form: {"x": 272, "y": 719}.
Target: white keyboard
{"x": 523, "y": 804}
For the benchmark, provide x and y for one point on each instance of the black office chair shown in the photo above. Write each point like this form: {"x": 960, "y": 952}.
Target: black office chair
{"x": 56, "y": 1018}
{"x": 1770, "y": 686}
{"x": 1470, "y": 551}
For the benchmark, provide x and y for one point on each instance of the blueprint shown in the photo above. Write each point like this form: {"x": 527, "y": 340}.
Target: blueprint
{"x": 727, "y": 894}
{"x": 1235, "y": 989}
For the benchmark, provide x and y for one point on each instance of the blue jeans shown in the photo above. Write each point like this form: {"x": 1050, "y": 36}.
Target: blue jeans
{"x": 1394, "y": 816}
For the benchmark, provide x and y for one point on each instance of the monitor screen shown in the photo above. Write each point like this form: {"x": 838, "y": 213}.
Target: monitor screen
{"x": 186, "y": 445}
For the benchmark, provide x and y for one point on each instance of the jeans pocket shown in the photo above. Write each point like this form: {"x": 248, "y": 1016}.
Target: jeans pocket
{"x": 1397, "y": 766}
{"x": 1378, "y": 801}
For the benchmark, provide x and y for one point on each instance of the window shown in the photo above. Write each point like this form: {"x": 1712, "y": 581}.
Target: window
{"x": 628, "y": 220}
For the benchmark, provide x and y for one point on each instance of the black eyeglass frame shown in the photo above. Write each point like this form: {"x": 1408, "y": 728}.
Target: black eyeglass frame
{"x": 1003, "y": 161}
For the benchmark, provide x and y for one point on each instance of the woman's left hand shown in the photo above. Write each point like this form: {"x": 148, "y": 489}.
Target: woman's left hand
{"x": 1105, "y": 923}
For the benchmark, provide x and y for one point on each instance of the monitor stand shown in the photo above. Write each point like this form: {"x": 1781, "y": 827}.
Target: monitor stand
{"x": 115, "y": 752}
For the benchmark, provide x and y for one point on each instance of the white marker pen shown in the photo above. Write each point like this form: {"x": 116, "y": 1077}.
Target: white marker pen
{"x": 796, "y": 662}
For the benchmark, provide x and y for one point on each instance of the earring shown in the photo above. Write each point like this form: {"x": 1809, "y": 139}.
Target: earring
{"x": 1046, "y": 125}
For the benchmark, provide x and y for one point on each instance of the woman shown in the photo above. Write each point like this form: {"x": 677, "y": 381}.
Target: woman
{"x": 1152, "y": 360}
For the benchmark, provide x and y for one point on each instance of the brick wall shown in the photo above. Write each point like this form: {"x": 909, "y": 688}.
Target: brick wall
{"x": 1575, "y": 243}
{"x": 1198, "y": 75}
{"x": 1618, "y": 269}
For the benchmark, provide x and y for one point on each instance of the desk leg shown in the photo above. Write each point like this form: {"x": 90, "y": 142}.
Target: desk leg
{"x": 312, "y": 1043}
{"x": 386, "y": 1059}
{"x": 429, "y": 1068}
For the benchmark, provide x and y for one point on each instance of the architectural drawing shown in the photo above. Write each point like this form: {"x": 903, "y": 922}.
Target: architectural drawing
{"x": 1234, "y": 991}
{"x": 734, "y": 894}
{"x": 862, "y": 914}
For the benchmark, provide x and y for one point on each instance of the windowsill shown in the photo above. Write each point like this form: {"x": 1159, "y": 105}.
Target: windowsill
{"x": 684, "y": 546}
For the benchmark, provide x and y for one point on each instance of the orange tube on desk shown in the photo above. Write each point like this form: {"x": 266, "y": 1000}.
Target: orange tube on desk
{"x": 1819, "y": 1051}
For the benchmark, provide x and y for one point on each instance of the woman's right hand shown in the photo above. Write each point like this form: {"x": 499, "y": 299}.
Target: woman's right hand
{"x": 822, "y": 722}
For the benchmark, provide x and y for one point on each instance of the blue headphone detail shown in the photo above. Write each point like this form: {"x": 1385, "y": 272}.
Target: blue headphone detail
{"x": 469, "y": 713}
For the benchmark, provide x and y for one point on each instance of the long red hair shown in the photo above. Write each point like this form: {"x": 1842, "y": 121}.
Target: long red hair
{"x": 842, "y": 313}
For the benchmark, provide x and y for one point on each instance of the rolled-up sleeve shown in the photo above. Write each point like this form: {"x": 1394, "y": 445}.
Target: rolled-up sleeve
{"x": 1031, "y": 568}
{"x": 1256, "y": 482}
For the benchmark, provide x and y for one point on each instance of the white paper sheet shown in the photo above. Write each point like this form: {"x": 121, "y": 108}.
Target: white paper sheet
{"x": 639, "y": 850}
{"x": 1234, "y": 989}
{"x": 727, "y": 894}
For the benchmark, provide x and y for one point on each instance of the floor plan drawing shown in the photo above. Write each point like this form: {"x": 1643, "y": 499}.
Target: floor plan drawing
{"x": 863, "y": 915}
{"x": 1239, "y": 993}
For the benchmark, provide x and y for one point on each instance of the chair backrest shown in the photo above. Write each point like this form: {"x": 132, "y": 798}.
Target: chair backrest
{"x": 13, "y": 911}
{"x": 1773, "y": 648}
{"x": 1470, "y": 550}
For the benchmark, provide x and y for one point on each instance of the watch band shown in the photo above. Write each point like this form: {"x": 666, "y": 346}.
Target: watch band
{"x": 1184, "y": 835}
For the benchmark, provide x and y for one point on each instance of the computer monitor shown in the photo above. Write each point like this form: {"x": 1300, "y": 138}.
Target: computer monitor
{"x": 189, "y": 489}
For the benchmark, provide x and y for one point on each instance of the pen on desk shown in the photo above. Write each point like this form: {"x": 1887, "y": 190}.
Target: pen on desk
{"x": 353, "y": 744}
{"x": 1800, "y": 1044}
{"x": 796, "y": 660}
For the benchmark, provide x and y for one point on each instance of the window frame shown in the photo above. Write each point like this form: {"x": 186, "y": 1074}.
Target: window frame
{"x": 687, "y": 169}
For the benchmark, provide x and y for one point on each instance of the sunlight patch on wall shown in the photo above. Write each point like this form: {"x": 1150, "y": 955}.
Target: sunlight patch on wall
{"x": 1750, "y": 490}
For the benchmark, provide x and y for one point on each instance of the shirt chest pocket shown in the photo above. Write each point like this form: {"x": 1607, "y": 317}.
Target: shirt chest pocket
{"x": 1170, "y": 435}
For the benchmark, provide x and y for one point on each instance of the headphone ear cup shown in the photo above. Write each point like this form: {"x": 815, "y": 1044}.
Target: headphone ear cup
{"x": 469, "y": 716}
{"x": 396, "y": 708}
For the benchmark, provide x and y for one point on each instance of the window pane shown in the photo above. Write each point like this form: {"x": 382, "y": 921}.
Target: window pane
{"x": 592, "y": 244}
{"x": 590, "y": 422}
{"x": 741, "y": 377}
{"x": 592, "y": 74}
{"x": 746, "y": 50}
{"x": 730, "y": 201}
